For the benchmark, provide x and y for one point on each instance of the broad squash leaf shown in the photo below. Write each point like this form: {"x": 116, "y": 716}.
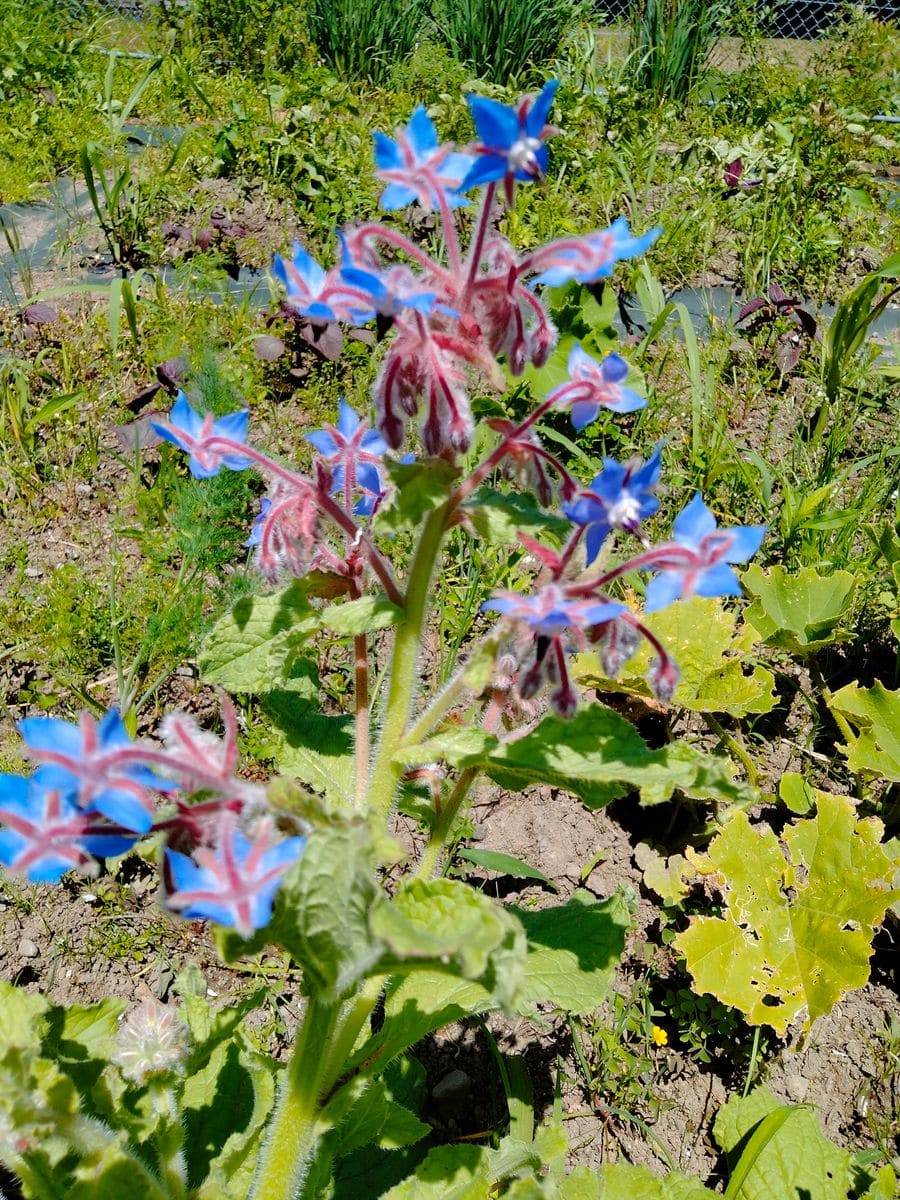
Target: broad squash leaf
{"x": 797, "y": 931}
{"x": 621, "y": 1181}
{"x": 876, "y": 714}
{"x": 795, "y": 1160}
{"x": 799, "y": 612}
{"x": 712, "y": 653}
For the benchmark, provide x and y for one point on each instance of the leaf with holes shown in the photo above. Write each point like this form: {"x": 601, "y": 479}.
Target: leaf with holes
{"x": 797, "y": 931}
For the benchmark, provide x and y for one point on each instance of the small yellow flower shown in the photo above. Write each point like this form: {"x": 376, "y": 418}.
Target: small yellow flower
{"x": 660, "y": 1037}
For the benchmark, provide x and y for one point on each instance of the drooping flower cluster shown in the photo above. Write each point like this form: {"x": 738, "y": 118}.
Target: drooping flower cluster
{"x": 95, "y": 792}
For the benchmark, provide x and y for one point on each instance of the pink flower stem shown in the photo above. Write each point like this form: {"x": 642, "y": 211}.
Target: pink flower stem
{"x": 663, "y": 557}
{"x": 481, "y": 231}
{"x": 328, "y": 505}
{"x": 497, "y": 455}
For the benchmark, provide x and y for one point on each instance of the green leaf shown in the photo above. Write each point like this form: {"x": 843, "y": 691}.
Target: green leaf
{"x": 456, "y": 746}
{"x": 448, "y": 922}
{"x": 364, "y": 1114}
{"x": 599, "y": 756}
{"x": 799, "y": 612}
{"x": 497, "y": 518}
{"x": 712, "y": 654}
{"x": 791, "y": 1157}
{"x": 797, "y": 931}
{"x": 324, "y": 907}
{"x": 621, "y": 1181}
{"x": 253, "y": 648}
{"x": 311, "y": 747}
{"x": 22, "y": 1017}
{"x": 420, "y": 487}
{"x": 364, "y": 615}
{"x": 573, "y": 950}
{"x": 668, "y": 877}
{"x": 506, "y": 864}
{"x": 796, "y": 794}
{"x": 225, "y": 1107}
{"x": 447, "y": 1173}
{"x": 876, "y": 714}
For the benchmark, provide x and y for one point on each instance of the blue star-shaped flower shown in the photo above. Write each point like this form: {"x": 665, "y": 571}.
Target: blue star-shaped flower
{"x": 192, "y": 432}
{"x": 620, "y": 497}
{"x": 307, "y": 284}
{"x": 592, "y": 386}
{"x": 549, "y": 611}
{"x": 696, "y": 561}
{"x": 85, "y": 760}
{"x": 590, "y": 258}
{"x": 235, "y": 884}
{"x": 46, "y": 834}
{"x": 511, "y": 142}
{"x": 417, "y": 168}
{"x": 354, "y": 452}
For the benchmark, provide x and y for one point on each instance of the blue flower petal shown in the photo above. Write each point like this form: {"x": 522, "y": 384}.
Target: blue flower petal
{"x": 719, "y": 580}
{"x": 614, "y": 368}
{"x": 485, "y": 169}
{"x": 497, "y": 125}
{"x": 536, "y": 118}
{"x": 421, "y": 132}
{"x": 49, "y": 733}
{"x": 693, "y": 523}
{"x": 663, "y": 590}
{"x": 747, "y": 540}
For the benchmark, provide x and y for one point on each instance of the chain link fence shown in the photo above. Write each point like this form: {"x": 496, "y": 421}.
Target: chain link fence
{"x": 804, "y": 19}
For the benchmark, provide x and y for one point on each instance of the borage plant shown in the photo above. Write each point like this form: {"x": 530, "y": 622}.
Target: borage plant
{"x": 174, "y": 1103}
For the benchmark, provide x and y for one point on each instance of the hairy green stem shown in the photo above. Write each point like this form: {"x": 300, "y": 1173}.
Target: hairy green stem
{"x": 385, "y": 774}
{"x": 296, "y": 1125}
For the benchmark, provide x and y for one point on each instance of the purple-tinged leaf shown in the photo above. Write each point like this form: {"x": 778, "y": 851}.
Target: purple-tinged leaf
{"x": 733, "y": 172}
{"x": 267, "y": 347}
{"x": 326, "y": 339}
{"x": 751, "y": 307}
{"x": 787, "y": 354}
{"x": 40, "y": 313}
{"x": 172, "y": 373}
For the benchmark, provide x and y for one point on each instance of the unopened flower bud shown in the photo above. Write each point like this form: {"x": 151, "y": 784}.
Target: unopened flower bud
{"x": 151, "y": 1041}
{"x": 663, "y": 679}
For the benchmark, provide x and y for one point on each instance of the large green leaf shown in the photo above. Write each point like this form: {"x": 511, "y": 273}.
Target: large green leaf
{"x": 364, "y": 615}
{"x": 420, "y": 487}
{"x": 876, "y": 714}
{"x": 713, "y": 656}
{"x": 497, "y": 518}
{"x": 449, "y": 923}
{"x": 621, "y": 1181}
{"x": 325, "y": 902}
{"x": 599, "y": 756}
{"x": 311, "y": 747}
{"x": 795, "y": 1160}
{"x": 797, "y": 931}
{"x": 253, "y": 648}
{"x": 573, "y": 950}
{"x": 802, "y": 611}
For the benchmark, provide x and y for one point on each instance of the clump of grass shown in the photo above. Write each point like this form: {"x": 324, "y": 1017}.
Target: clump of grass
{"x": 503, "y": 39}
{"x": 363, "y": 38}
{"x": 670, "y": 43}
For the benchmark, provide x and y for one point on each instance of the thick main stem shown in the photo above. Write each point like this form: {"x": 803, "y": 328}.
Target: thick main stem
{"x": 385, "y": 774}
{"x": 296, "y": 1124}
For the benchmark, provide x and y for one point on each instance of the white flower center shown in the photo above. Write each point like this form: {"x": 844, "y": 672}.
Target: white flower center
{"x": 625, "y": 513}
{"x": 521, "y": 154}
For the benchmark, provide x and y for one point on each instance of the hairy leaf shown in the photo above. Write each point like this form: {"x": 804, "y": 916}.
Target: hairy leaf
{"x": 253, "y": 648}
{"x": 497, "y": 518}
{"x": 621, "y": 1181}
{"x": 599, "y": 756}
{"x": 420, "y": 487}
{"x": 364, "y": 615}
{"x": 797, "y": 931}
{"x": 311, "y": 747}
